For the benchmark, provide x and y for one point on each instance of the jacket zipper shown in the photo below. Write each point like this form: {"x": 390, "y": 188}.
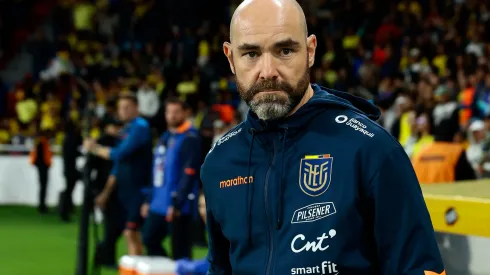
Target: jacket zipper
{"x": 269, "y": 227}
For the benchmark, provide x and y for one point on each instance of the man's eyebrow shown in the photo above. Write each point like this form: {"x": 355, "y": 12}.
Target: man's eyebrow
{"x": 248, "y": 47}
{"x": 287, "y": 43}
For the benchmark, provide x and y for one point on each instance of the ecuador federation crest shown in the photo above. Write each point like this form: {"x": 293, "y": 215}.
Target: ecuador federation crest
{"x": 315, "y": 174}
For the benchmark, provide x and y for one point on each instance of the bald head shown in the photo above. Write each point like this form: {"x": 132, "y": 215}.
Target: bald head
{"x": 270, "y": 54}
{"x": 267, "y": 13}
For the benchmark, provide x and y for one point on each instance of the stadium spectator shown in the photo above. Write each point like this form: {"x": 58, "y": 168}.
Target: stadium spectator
{"x": 148, "y": 100}
{"x": 132, "y": 168}
{"x": 475, "y": 152}
{"x": 26, "y": 108}
{"x": 175, "y": 185}
{"x": 41, "y": 157}
{"x": 445, "y": 114}
{"x": 420, "y": 135}
{"x": 71, "y": 143}
{"x": 4, "y": 131}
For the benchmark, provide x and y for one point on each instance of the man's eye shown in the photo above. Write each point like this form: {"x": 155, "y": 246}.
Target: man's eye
{"x": 251, "y": 54}
{"x": 286, "y": 51}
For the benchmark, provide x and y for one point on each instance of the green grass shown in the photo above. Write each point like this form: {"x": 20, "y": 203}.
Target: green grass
{"x": 33, "y": 244}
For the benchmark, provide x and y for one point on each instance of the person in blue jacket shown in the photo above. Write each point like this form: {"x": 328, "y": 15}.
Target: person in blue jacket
{"x": 132, "y": 162}
{"x": 309, "y": 183}
{"x": 173, "y": 202}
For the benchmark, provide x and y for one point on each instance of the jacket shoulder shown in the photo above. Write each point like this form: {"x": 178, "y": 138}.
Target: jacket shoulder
{"x": 228, "y": 140}
{"x": 357, "y": 128}
{"x": 141, "y": 123}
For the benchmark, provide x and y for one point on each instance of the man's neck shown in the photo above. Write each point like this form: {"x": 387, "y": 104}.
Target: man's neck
{"x": 131, "y": 119}
{"x": 175, "y": 129}
{"x": 308, "y": 94}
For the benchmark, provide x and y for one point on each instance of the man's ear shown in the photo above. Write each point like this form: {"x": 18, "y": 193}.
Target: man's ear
{"x": 229, "y": 54}
{"x": 311, "y": 48}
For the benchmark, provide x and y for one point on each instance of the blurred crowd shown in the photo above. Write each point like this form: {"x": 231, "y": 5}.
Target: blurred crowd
{"x": 424, "y": 63}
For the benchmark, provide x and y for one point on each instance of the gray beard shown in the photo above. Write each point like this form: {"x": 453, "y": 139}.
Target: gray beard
{"x": 269, "y": 108}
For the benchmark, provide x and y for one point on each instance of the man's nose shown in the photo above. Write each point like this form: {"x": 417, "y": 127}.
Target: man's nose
{"x": 268, "y": 67}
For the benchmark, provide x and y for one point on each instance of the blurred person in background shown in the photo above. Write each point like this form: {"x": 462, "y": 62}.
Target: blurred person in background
{"x": 71, "y": 144}
{"x": 475, "y": 151}
{"x": 149, "y": 102}
{"x": 27, "y": 109}
{"x": 405, "y": 114}
{"x": 219, "y": 129}
{"x": 3, "y": 98}
{"x": 482, "y": 98}
{"x": 420, "y": 135}
{"x": 172, "y": 204}
{"x": 114, "y": 219}
{"x": 4, "y": 131}
{"x": 41, "y": 157}
{"x": 132, "y": 158}
{"x": 445, "y": 114}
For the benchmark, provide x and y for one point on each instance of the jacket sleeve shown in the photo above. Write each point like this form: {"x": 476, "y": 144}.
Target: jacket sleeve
{"x": 403, "y": 231}
{"x": 218, "y": 248}
{"x": 191, "y": 155}
{"x": 138, "y": 135}
{"x": 113, "y": 169}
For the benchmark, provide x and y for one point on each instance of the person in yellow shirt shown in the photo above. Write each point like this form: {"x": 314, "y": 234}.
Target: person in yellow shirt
{"x": 4, "y": 132}
{"x": 26, "y": 109}
{"x": 83, "y": 16}
{"x": 423, "y": 131}
{"x": 440, "y": 60}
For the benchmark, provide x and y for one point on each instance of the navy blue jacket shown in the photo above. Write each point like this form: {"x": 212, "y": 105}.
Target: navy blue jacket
{"x": 177, "y": 158}
{"x": 324, "y": 191}
{"x": 132, "y": 159}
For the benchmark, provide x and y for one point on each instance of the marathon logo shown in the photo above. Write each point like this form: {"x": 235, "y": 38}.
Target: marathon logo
{"x": 313, "y": 212}
{"x": 236, "y": 181}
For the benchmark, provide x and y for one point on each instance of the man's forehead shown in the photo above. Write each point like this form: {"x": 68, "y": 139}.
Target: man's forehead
{"x": 268, "y": 20}
{"x": 262, "y": 34}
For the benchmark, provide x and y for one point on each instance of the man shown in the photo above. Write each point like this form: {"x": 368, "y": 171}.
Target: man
{"x": 71, "y": 144}
{"x": 41, "y": 156}
{"x": 175, "y": 185}
{"x": 309, "y": 183}
{"x": 132, "y": 168}
{"x": 114, "y": 222}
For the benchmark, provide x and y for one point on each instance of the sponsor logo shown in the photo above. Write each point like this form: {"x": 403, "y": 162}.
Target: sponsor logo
{"x": 313, "y": 212}
{"x": 236, "y": 181}
{"x": 299, "y": 245}
{"x": 315, "y": 174}
{"x": 354, "y": 124}
{"x": 225, "y": 138}
{"x": 325, "y": 268}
